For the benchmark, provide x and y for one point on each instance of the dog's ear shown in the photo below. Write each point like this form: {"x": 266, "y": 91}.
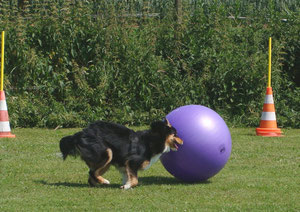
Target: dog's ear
{"x": 167, "y": 123}
{"x": 158, "y": 126}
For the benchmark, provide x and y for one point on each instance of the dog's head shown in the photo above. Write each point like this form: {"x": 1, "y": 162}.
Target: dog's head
{"x": 165, "y": 129}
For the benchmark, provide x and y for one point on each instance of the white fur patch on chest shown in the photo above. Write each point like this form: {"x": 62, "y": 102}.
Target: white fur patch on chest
{"x": 156, "y": 157}
{"x": 152, "y": 161}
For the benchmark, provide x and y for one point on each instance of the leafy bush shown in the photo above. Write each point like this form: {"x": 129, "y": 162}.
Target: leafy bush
{"x": 120, "y": 61}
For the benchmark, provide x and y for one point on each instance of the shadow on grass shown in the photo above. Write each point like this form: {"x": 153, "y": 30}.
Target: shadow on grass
{"x": 144, "y": 181}
{"x": 65, "y": 184}
{"x": 153, "y": 180}
{"x": 74, "y": 185}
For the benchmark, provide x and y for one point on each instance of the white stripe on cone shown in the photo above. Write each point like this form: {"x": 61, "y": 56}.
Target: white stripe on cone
{"x": 268, "y": 116}
{"x": 269, "y": 99}
{"x": 4, "y": 126}
{"x": 3, "y": 105}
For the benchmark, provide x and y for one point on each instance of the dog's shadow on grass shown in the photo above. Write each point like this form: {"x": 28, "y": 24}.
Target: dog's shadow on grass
{"x": 75, "y": 185}
{"x": 143, "y": 181}
{"x": 153, "y": 180}
{"x": 63, "y": 184}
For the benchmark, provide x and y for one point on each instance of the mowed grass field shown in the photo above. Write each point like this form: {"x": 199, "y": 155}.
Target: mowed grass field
{"x": 262, "y": 174}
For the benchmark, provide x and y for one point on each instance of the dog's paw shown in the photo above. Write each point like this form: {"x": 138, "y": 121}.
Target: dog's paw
{"x": 125, "y": 187}
{"x": 105, "y": 182}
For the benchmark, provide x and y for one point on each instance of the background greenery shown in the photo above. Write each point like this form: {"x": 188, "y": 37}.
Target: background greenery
{"x": 71, "y": 62}
{"x": 262, "y": 174}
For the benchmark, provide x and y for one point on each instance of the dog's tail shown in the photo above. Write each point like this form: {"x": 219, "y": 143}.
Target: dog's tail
{"x": 67, "y": 146}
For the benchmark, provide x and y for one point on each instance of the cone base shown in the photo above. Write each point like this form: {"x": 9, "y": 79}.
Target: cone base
{"x": 269, "y": 132}
{"x": 7, "y": 135}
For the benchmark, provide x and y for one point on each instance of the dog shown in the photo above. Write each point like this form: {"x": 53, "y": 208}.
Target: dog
{"x": 103, "y": 144}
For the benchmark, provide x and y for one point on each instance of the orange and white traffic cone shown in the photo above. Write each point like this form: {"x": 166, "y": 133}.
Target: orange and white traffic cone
{"x": 4, "y": 119}
{"x": 268, "y": 124}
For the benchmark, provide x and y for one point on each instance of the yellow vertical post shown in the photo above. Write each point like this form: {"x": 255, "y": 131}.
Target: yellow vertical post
{"x": 2, "y": 60}
{"x": 270, "y": 64}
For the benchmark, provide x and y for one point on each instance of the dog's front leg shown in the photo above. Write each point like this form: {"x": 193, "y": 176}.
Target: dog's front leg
{"x": 124, "y": 175}
{"x": 130, "y": 176}
{"x": 132, "y": 181}
{"x": 124, "y": 178}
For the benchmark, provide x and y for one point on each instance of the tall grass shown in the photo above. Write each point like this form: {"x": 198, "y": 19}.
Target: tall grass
{"x": 71, "y": 62}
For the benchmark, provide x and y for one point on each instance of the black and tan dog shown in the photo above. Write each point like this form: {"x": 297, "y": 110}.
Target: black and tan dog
{"x": 102, "y": 144}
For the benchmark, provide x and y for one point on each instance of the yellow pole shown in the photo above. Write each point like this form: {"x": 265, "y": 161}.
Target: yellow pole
{"x": 2, "y": 60}
{"x": 270, "y": 57}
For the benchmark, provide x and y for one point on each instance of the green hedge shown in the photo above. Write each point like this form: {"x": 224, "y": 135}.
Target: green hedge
{"x": 85, "y": 62}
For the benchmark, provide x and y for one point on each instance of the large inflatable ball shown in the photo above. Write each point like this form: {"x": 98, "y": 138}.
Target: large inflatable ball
{"x": 206, "y": 144}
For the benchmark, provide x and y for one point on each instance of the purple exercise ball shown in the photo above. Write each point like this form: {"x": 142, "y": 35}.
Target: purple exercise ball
{"x": 206, "y": 144}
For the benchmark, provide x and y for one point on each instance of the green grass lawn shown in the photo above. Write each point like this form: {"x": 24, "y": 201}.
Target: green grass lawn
{"x": 262, "y": 174}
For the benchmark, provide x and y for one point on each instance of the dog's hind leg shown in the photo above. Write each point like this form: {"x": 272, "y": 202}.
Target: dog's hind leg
{"x": 92, "y": 179}
{"x": 101, "y": 170}
{"x": 95, "y": 173}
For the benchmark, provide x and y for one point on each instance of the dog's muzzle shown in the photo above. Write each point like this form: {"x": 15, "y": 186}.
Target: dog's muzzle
{"x": 176, "y": 142}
